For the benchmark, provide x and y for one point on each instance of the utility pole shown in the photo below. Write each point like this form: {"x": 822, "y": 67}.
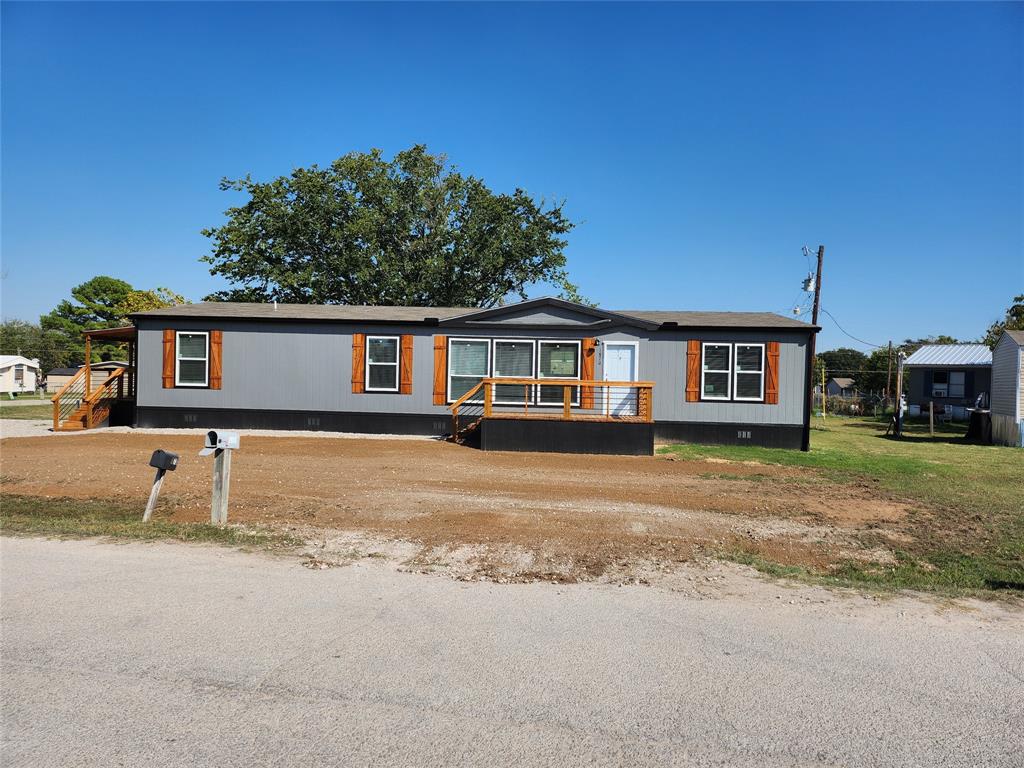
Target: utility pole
{"x": 888, "y": 377}
{"x": 814, "y": 320}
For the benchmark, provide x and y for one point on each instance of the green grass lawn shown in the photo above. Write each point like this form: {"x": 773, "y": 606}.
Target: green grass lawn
{"x": 968, "y": 530}
{"x": 26, "y": 411}
{"x": 29, "y": 515}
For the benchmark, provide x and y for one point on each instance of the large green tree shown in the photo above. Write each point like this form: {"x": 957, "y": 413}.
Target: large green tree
{"x": 1013, "y": 320}
{"x": 18, "y": 337}
{"x": 843, "y": 361}
{"x": 102, "y": 302}
{"x": 407, "y": 231}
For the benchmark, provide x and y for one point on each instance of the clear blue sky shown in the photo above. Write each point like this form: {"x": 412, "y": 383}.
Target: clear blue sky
{"x": 698, "y": 146}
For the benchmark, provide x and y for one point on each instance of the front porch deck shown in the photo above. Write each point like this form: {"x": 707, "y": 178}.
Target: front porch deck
{"x": 557, "y": 415}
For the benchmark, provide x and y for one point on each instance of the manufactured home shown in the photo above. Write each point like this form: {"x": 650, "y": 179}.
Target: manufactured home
{"x": 545, "y": 374}
{"x": 1008, "y": 389}
{"x": 58, "y": 377}
{"x": 950, "y": 376}
{"x": 18, "y": 374}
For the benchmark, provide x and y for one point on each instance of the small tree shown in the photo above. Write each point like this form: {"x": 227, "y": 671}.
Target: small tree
{"x": 1012, "y": 321}
{"x": 410, "y": 231}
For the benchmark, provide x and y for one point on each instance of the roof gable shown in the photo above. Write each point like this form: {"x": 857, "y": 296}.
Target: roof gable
{"x": 547, "y": 311}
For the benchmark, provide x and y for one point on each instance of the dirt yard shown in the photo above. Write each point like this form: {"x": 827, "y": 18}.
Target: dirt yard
{"x": 495, "y": 515}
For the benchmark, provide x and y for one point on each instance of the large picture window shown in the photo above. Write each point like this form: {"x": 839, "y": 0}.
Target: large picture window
{"x": 513, "y": 359}
{"x": 716, "y": 372}
{"x": 382, "y": 364}
{"x": 558, "y": 360}
{"x": 469, "y": 361}
{"x": 193, "y": 359}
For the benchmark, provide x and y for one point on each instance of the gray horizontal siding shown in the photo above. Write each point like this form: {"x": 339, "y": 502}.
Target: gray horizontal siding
{"x": 308, "y": 367}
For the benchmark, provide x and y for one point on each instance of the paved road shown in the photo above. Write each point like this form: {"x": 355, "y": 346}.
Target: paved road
{"x": 173, "y": 655}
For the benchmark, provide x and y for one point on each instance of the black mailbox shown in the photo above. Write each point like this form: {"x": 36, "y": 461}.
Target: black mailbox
{"x": 164, "y": 460}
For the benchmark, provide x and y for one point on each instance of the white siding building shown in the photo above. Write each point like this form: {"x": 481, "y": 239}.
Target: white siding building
{"x": 18, "y": 374}
{"x": 1007, "y": 401}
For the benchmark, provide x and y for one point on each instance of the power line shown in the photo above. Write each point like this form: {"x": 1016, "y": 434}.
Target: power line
{"x": 867, "y": 343}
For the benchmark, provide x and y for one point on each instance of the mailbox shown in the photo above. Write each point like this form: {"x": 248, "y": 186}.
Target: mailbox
{"x": 164, "y": 460}
{"x": 218, "y": 441}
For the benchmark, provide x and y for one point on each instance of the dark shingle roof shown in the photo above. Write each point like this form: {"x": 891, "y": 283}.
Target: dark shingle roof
{"x": 716, "y": 319}
{"x": 387, "y": 314}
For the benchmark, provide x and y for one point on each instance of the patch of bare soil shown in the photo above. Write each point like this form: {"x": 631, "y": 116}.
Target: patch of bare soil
{"x": 508, "y": 516}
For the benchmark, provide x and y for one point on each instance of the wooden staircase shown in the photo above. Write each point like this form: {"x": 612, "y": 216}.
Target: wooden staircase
{"x": 78, "y": 405}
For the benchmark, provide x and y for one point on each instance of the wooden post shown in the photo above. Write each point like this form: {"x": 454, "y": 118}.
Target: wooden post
{"x": 221, "y": 486}
{"x": 823, "y": 398}
{"x": 158, "y": 481}
{"x": 888, "y": 378}
{"x": 566, "y": 401}
{"x": 88, "y": 365}
{"x": 931, "y": 418}
{"x": 488, "y": 398}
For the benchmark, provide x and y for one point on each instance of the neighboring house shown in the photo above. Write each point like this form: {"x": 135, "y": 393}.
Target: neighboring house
{"x": 1007, "y": 401}
{"x": 841, "y": 386}
{"x": 18, "y": 374}
{"x": 710, "y": 377}
{"x": 948, "y": 374}
{"x": 58, "y": 377}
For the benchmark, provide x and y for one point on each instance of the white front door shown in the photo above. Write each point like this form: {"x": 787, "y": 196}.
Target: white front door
{"x": 620, "y": 365}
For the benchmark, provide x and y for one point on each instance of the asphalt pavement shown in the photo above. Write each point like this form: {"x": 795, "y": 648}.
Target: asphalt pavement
{"x": 182, "y": 655}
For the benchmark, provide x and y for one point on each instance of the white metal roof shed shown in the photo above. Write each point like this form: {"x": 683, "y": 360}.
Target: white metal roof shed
{"x": 950, "y": 354}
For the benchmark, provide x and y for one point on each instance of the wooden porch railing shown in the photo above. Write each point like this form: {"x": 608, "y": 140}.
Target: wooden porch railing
{"x": 80, "y": 406}
{"x": 630, "y": 401}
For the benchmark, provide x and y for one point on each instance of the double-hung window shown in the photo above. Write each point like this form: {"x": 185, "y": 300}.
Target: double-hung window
{"x": 558, "y": 360}
{"x": 716, "y": 371}
{"x": 748, "y": 383}
{"x": 956, "y": 383}
{"x": 513, "y": 359}
{"x": 192, "y": 364}
{"x": 381, "y": 363}
{"x": 469, "y": 361}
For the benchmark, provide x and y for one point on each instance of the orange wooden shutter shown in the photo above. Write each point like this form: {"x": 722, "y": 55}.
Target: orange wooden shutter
{"x": 358, "y": 363}
{"x": 440, "y": 370}
{"x": 216, "y": 366}
{"x": 589, "y": 350}
{"x": 693, "y": 371}
{"x": 405, "y": 365}
{"x": 771, "y": 382}
{"x": 168, "y": 369}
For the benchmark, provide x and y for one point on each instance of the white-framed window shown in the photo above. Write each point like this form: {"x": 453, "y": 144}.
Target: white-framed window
{"x": 557, "y": 360}
{"x": 716, "y": 371}
{"x": 513, "y": 359}
{"x": 382, "y": 363}
{"x": 748, "y": 381}
{"x": 19, "y": 373}
{"x": 192, "y": 363}
{"x": 469, "y": 361}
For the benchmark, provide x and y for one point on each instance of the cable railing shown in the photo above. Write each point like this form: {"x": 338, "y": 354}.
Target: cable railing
{"x": 556, "y": 399}
{"x": 81, "y": 405}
